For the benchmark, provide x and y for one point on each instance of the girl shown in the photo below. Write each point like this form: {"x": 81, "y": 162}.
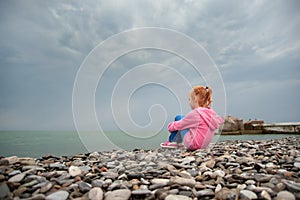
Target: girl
{"x": 196, "y": 129}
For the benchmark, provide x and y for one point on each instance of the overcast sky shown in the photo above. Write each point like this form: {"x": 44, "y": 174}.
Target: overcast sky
{"x": 254, "y": 44}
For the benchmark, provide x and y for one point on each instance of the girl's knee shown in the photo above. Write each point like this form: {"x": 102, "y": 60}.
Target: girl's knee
{"x": 178, "y": 117}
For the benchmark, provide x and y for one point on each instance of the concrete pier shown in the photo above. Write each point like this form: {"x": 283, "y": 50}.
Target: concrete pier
{"x": 236, "y": 126}
{"x": 290, "y": 127}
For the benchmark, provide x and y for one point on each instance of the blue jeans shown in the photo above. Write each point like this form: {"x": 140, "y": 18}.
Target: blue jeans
{"x": 177, "y": 136}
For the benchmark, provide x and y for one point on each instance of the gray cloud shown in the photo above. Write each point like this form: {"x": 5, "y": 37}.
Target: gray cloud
{"x": 255, "y": 44}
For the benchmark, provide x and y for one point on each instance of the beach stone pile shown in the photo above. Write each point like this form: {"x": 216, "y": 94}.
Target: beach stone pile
{"x": 228, "y": 170}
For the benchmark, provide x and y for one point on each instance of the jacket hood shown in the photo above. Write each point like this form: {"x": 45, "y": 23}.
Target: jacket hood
{"x": 211, "y": 118}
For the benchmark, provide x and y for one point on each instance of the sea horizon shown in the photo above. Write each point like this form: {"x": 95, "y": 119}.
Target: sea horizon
{"x": 58, "y": 143}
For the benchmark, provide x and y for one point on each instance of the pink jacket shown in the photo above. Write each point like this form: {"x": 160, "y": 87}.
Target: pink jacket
{"x": 201, "y": 122}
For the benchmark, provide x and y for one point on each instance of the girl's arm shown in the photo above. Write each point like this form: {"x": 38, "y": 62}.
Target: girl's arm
{"x": 190, "y": 120}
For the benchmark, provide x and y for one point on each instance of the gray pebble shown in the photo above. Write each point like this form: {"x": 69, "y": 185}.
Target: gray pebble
{"x": 59, "y": 195}
{"x": 15, "y": 172}
{"x": 141, "y": 192}
{"x": 95, "y": 193}
{"x": 84, "y": 187}
{"x": 45, "y": 188}
{"x": 110, "y": 175}
{"x": 17, "y": 178}
{"x": 292, "y": 186}
{"x": 183, "y": 181}
{"x": 160, "y": 181}
{"x": 265, "y": 195}
{"x": 205, "y": 193}
{"x": 247, "y": 194}
{"x": 4, "y": 191}
{"x": 37, "y": 197}
{"x": 177, "y": 197}
{"x": 74, "y": 171}
{"x": 57, "y": 166}
{"x": 121, "y": 194}
{"x": 97, "y": 183}
{"x": 285, "y": 195}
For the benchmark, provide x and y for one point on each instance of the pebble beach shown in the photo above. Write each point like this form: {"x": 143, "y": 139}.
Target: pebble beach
{"x": 227, "y": 170}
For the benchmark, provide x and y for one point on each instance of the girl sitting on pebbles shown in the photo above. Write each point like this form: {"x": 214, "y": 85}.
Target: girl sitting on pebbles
{"x": 195, "y": 129}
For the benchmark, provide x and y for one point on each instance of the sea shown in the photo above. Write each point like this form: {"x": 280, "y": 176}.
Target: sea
{"x": 68, "y": 143}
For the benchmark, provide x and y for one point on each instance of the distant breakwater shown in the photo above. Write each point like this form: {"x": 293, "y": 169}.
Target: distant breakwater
{"x": 236, "y": 126}
{"x": 266, "y": 169}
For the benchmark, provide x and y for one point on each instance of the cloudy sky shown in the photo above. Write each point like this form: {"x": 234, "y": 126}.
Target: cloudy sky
{"x": 254, "y": 44}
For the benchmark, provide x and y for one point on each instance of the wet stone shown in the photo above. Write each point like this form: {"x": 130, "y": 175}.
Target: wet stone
{"x": 59, "y": 195}
{"x": 84, "y": 187}
{"x": 218, "y": 173}
{"x": 114, "y": 185}
{"x": 247, "y": 195}
{"x": 29, "y": 184}
{"x": 49, "y": 175}
{"x": 45, "y": 188}
{"x": 77, "y": 163}
{"x": 205, "y": 193}
{"x": 161, "y": 182}
{"x": 134, "y": 176}
{"x": 96, "y": 194}
{"x": 145, "y": 182}
{"x": 184, "y": 174}
{"x": 262, "y": 178}
{"x": 187, "y": 160}
{"x": 177, "y": 197}
{"x": 250, "y": 182}
{"x": 85, "y": 168}
{"x": 183, "y": 181}
{"x": 232, "y": 165}
{"x": 241, "y": 186}
{"x": 141, "y": 192}
{"x": 74, "y": 171}
{"x": 265, "y": 195}
{"x": 15, "y": 172}
{"x": 57, "y": 165}
{"x": 161, "y": 194}
{"x": 218, "y": 188}
{"x": 285, "y": 195}
{"x": 292, "y": 186}
{"x": 121, "y": 194}
{"x": 37, "y": 197}
{"x": 4, "y": 191}
{"x": 193, "y": 172}
{"x": 12, "y": 160}
{"x": 297, "y": 165}
{"x": 210, "y": 163}
{"x": 227, "y": 194}
{"x": 97, "y": 183}
{"x": 2, "y": 178}
{"x": 185, "y": 193}
{"x": 110, "y": 175}
{"x": 4, "y": 162}
{"x": 17, "y": 178}
{"x": 26, "y": 161}
{"x": 19, "y": 191}
{"x": 177, "y": 165}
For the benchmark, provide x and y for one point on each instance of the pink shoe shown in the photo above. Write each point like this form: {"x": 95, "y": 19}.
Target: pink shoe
{"x": 168, "y": 144}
